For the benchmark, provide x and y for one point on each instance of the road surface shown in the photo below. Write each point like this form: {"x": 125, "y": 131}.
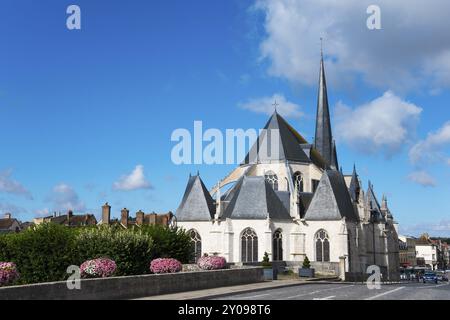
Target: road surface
{"x": 341, "y": 291}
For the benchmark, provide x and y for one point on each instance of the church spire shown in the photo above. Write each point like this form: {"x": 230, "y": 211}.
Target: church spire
{"x": 323, "y": 138}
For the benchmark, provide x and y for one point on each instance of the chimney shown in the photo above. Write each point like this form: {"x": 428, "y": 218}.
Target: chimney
{"x": 69, "y": 215}
{"x": 140, "y": 218}
{"x": 153, "y": 217}
{"x": 106, "y": 213}
{"x": 8, "y": 215}
{"x": 124, "y": 217}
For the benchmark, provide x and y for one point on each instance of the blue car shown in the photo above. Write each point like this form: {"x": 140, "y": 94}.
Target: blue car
{"x": 430, "y": 277}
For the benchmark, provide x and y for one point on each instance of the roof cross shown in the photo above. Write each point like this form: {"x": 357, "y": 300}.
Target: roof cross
{"x": 275, "y": 104}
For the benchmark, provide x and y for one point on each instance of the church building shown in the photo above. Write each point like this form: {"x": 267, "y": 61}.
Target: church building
{"x": 290, "y": 199}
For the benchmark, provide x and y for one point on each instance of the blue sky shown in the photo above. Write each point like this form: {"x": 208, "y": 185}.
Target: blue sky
{"x": 83, "y": 109}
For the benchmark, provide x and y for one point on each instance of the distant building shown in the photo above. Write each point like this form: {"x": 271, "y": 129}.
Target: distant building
{"x": 9, "y": 224}
{"x": 140, "y": 219}
{"x": 427, "y": 252}
{"x": 69, "y": 219}
{"x": 407, "y": 251}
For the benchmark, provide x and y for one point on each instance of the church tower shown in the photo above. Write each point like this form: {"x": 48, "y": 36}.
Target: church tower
{"x": 323, "y": 141}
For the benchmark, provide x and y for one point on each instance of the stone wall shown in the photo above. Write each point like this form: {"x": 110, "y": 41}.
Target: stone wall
{"x": 134, "y": 286}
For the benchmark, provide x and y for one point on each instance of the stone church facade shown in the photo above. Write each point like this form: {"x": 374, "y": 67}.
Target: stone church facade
{"x": 290, "y": 199}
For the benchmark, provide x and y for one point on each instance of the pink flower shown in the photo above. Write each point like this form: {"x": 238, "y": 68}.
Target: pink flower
{"x": 211, "y": 263}
{"x": 98, "y": 268}
{"x": 162, "y": 265}
{"x": 8, "y": 273}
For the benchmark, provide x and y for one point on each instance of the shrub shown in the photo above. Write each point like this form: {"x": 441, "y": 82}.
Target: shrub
{"x": 306, "y": 263}
{"x": 165, "y": 265}
{"x": 131, "y": 250}
{"x": 41, "y": 254}
{"x": 266, "y": 263}
{"x": 211, "y": 263}
{"x": 169, "y": 243}
{"x": 98, "y": 268}
{"x": 8, "y": 273}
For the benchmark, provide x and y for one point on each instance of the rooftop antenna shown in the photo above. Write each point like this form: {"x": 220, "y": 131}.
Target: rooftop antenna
{"x": 321, "y": 47}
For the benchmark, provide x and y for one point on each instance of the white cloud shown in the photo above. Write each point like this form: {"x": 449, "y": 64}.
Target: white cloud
{"x": 383, "y": 125}
{"x": 8, "y": 185}
{"x": 133, "y": 181}
{"x": 422, "y": 178}
{"x": 431, "y": 148}
{"x": 265, "y": 105}
{"x": 411, "y": 49}
{"x": 6, "y": 207}
{"x": 43, "y": 212}
{"x": 64, "y": 197}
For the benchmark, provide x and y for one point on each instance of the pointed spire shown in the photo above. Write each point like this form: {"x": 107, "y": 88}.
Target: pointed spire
{"x": 355, "y": 188}
{"x": 334, "y": 161}
{"x": 323, "y": 137}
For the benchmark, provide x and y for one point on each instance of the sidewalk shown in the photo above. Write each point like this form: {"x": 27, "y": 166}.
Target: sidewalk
{"x": 223, "y": 291}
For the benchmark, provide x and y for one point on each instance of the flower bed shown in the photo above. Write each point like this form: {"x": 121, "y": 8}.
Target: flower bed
{"x": 211, "y": 263}
{"x": 98, "y": 268}
{"x": 164, "y": 265}
{"x": 8, "y": 273}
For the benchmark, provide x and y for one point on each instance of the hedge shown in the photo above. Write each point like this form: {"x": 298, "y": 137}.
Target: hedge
{"x": 42, "y": 254}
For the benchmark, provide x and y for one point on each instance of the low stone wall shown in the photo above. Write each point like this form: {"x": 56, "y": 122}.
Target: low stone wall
{"x": 134, "y": 286}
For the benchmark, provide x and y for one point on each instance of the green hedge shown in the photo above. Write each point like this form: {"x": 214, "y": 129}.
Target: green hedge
{"x": 131, "y": 250}
{"x": 43, "y": 254}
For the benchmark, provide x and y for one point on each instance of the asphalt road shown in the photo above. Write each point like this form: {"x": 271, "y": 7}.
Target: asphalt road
{"x": 340, "y": 291}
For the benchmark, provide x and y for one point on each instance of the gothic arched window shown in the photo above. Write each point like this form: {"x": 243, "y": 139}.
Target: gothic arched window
{"x": 277, "y": 245}
{"x": 298, "y": 181}
{"x": 322, "y": 246}
{"x": 196, "y": 245}
{"x": 249, "y": 245}
{"x": 272, "y": 179}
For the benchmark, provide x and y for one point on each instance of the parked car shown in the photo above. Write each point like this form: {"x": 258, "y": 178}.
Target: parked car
{"x": 430, "y": 277}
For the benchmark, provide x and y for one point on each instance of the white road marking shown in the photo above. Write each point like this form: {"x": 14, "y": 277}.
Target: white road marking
{"x": 314, "y": 292}
{"x": 326, "y": 298}
{"x": 257, "y": 296}
{"x": 384, "y": 293}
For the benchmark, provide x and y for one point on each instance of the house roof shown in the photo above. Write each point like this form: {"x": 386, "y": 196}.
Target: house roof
{"x": 197, "y": 203}
{"x": 5, "y": 224}
{"x": 331, "y": 201}
{"x": 254, "y": 198}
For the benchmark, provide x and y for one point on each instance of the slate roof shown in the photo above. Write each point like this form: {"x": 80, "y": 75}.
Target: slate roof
{"x": 197, "y": 203}
{"x": 374, "y": 205}
{"x": 288, "y": 146}
{"x": 254, "y": 198}
{"x": 331, "y": 201}
{"x": 5, "y": 224}
{"x": 305, "y": 201}
{"x": 323, "y": 137}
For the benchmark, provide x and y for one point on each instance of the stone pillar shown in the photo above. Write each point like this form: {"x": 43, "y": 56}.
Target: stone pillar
{"x": 124, "y": 217}
{"x": 140, "y": 218}
{"x": 342, "y": 267}
{"x": 106, "y": 213}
